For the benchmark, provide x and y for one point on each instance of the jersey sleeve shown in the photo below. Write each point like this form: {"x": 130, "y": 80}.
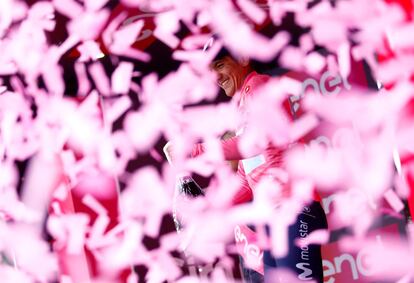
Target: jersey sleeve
{"x": 230, "y": 148}
{"x": 245, "y": 193}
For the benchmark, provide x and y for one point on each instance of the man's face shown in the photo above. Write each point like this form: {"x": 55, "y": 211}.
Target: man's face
{"x": 230, "y": 74}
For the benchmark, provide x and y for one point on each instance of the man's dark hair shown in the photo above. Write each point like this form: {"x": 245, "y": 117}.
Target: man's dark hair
{"x": 224, "y": 52}
{"x": 271, "y": 68}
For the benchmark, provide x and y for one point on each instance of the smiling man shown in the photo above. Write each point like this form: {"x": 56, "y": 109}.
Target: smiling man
{"x": 238, "y": 80}
{"x": 231, "y": 74}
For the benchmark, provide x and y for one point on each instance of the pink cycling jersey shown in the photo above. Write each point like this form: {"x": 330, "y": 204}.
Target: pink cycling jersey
{"x": 251, "y": 170}
{"x": 259, "y": 164}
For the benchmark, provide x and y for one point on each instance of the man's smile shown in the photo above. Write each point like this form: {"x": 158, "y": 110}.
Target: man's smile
{"x": 223, "y": 83}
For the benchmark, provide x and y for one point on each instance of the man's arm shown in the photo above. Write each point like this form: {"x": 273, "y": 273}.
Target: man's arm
{"x": 230, "y": 149}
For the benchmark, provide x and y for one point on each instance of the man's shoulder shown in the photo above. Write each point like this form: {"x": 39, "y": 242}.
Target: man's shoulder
{"x": 256, "y": 80}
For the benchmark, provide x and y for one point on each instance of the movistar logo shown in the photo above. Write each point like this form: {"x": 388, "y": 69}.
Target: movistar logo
{"x": 306, "y": 272}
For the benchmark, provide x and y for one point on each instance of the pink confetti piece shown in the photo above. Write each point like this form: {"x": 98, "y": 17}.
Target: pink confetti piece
{"x": 56, "y": 228}
{"x": 292, "y": 58}
{"x": 61, "y": 192}
{"x": 168, "y": 267}
{"x": 394, "y": 200}
{"x": 5, "y": 15}
{"x": 136, "y": 54}
{"x": 89, "y": 50}
{"x": 153, "y": 224}
{"x": 121, "y": 78}
{"x": 401, "y": 186}
{"x": 244, "y": 41}
{"x": 132, "y": 278}
{"x": 154, "y": 154}
{"x": 143, "y": 129}
{"x": 306, "y": 43}
{"x": 95, "y": 5}
{"x": 100, "y": 79}
{"x": 253, "y": 11}
{"x": 107, "y": 156}
{"x": 35, "y": 180}
{"x": 318, "y": 237}
{"x": 219, "y": 275}
{"x": 136, "y": 74}
{"x": 303, "y": 126}
{"x": 67, "y": 45}
{"x": 120, "y": 41}
{"x": 13, "y": 209}
{"x": 279, "y": 239}
{"x": 52, "y": 73}
{"x": 17, "y": 84}
{"x": 324, "y": 35}
{"x": 166, "y": 26}
{"x": 344, "y": 60}
{"x": 83, "y": 81}
{"x": 121, "y": 146}
{"x": 65, "y": 279}
{"x": 125, "y": 252}
{"x": 303, "y": 190}
{"x": 10, "y": 274}
{"x": 25, "y": 244}
{"x": 56, "y": 208}
{"x": 194, "y": 42}
{"x": 111, "y": 28}
{"x": 193, "y": 57}
{"x": 169, "y": 39}
{"x": 405, "y": 279}
{"x": 88, "y": 25}
{"x": 300, "y": 164}
{"x": 398, "y": 39}
{"x": 314, "y": 63}
{"x": 97, "y": 242}
{"x": 42, "y": 13}
{"x": 76, "y": 267}
{"x": 212, "y": 120}
{"x": 76, "y": 226}
{"x": 8, "y": 68}
{"x": 93, "y": 204}
{"x": 145, "y": 192}
{"x": 387, "y": 248}
{"x": 71, "y": 9}
{"x": 99, "y": 227}
{"x": 395, "y": 69}
{"x": 170, "y": 242}
{"x": 117, "y": 109}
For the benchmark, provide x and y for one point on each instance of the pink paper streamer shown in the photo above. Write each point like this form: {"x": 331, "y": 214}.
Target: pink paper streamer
{"x": 253, "y": 11}
{"x": 121, "y": 78}
{"x": 394, "y": 200}
{"x": 93, "y": 204}
{"x": 83, "y": 81}
{"x": 100, "y": 78}
{"x": 71, "y": 9}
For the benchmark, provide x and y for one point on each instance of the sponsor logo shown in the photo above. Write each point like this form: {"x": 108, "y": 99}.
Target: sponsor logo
{"x": 306, "y": 272}
{"x": 250, "y": 252}
{"x": 352, "y": 267}
{"x": 335, "y": 83}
